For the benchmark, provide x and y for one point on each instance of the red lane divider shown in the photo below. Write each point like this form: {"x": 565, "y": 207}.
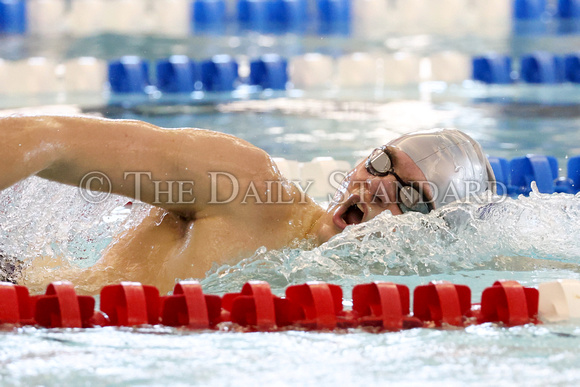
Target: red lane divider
{"x": 442, "y": 303}
{"x": 14, "y": 304}
{"x": 254, "y": 306}
{"x": 383, "y": 304}
{"x": 320, "y": 302}
{"x": 510, "y": 303}
{"x": 314, "y": 305}
{"x": 60, "y": 307}
{"x": 130, "y": 303}
{"x": 188, "y": 306}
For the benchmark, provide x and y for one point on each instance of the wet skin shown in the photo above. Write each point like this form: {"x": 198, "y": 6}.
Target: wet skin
{"x": 362, "y": 196}
{"x": 180, "y": 238}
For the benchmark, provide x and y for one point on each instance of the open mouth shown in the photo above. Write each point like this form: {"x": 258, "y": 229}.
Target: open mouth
{"x": 353, "y": 215}
{"x": 351, "y": 212}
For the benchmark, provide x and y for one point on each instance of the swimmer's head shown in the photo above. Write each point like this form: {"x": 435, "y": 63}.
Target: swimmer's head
{"x": 417, "y": 172}
{"x": 453, "y": 163}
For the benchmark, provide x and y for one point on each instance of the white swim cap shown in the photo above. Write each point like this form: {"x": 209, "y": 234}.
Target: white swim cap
{"x": 451, "y": 161}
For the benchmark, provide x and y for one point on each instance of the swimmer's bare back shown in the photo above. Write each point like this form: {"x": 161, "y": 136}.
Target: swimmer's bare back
{"x": 217, "y": 198}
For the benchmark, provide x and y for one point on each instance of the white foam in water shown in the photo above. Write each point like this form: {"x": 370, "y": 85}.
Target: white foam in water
{"x": 461, "y": 236}
{"x": 39, "y": 218}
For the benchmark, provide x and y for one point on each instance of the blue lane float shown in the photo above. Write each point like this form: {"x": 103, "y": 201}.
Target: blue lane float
{"x": 334, "y": 17}
{"x": 291, "y": 15}
{"x": 219, "y": 73}
{"x": 542, "y": 67}
{"x": 529, "y": 17}
{"x": 323, "y": 17}
{"x": 574, "y": 173}
{"x": 535, "y": 68}
{"x": 178, "y": 74}
{"x": 568, "y": 15}
{"x": 208, "y": 16}
{"x": 269, "y": 72}
{"x": 13, "y": 19}
{"x": 524, "y": 170}
{"x": 572, "y": 67}
{"x": 529, "y": 9}
{"x": 515, "y": 177}
{"x": 492, "y": 69}
{"x": 568, "y": 9}
{"x": 256, "y": 15}
{"x": 129, "y": 74}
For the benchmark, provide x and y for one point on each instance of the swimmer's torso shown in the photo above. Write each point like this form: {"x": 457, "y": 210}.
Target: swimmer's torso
{"x": 184, "y": 235}
{"x": 165, "y": 246}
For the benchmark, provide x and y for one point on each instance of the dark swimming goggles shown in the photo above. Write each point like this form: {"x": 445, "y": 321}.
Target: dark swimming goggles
{"x": 409, "y": 199}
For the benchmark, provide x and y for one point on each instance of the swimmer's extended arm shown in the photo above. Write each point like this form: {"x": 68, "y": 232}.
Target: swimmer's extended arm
{"x": 72, "y": 150}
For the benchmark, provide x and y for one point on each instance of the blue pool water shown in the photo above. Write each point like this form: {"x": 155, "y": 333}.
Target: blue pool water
{"x": 531, "y": 240}
{"x": 300, "y": 129}
{"x": 478, "y": 247}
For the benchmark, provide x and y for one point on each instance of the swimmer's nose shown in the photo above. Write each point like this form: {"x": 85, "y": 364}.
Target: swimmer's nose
{"x": 382, "y": 190}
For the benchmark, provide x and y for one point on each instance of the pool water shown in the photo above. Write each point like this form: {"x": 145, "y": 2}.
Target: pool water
{"x": 532, "y": 240}
{"x": 299, "y": 129}
{"x": 478, "y": 355}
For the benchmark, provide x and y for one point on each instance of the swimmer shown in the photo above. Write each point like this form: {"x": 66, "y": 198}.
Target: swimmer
{"x": 218, "y": 198}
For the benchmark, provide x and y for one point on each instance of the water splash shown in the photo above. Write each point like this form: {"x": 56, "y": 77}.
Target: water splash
{"x": 461, "y": 236}
{"x": 40, "y": 218}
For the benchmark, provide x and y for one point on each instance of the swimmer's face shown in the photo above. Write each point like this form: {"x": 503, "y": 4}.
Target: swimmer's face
{"x": 363, "y": 195}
